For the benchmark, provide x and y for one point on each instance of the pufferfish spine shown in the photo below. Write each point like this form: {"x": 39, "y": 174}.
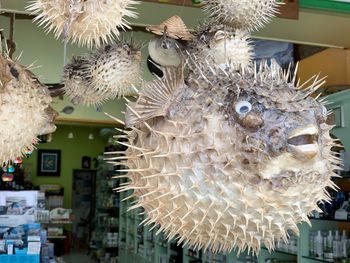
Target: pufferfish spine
{"x": 219, "y": 165}
{"x": 86, "y": 22}
{"x": 241, "y": 14}
{"x": 24, "y": 110}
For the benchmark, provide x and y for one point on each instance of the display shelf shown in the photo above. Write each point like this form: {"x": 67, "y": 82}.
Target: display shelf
{"x": 332, "y": 220}
{"x": 281, "y": 252}
{"x": 318, "y": 259}
{"x": 59, "y": 223}
{"x": 109, "y": 229}
{"x": 57, "y": 237}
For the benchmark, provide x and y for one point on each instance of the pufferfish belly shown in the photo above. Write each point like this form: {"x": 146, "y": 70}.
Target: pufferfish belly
{"x": 187, "y": 179}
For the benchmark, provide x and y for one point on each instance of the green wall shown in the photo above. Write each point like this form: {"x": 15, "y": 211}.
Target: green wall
{"x": 342, "y": 100}
{"x": 72, "y": 151}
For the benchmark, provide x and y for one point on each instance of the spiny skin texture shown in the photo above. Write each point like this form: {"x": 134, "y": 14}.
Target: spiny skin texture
{"x": 86, "y": 22}
{"x": 227, "y": 160}
{"x": 241, "y": 14}
{"x": 75, "y": 85}
{"x": 108, "y": 73}
{"x": 222, "y": 45}
{"x": 24, "y": 106}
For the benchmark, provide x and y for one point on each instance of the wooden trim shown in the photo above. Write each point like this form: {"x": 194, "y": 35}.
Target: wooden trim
{"x": 290, "y": 8}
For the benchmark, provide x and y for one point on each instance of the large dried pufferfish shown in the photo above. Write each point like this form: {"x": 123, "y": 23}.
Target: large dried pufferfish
{"x": 230, "y": 159}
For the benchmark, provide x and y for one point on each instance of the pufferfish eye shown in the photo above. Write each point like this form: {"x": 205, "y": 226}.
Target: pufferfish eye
{"x": 202, "y": 38}
{"x": 126, "y": 46}
{"x": 243, "y": 107}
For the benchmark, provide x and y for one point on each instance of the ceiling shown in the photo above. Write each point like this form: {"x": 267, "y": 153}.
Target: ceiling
{"x": 321, "y": 28}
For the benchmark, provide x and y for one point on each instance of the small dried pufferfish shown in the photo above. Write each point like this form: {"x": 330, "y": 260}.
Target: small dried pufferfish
{"x": 241, "y": 14}
{"x": 24, "y": 110}
{"x": 86, "y": 22}
{"x": 228, "y": 160}
{"x": 222, "y": 45}
{"x": 107, "y": 73}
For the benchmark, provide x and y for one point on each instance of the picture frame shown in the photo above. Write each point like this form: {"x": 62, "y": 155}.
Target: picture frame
{"x": 49, "y": 162}
{"x": 86, "y": 162}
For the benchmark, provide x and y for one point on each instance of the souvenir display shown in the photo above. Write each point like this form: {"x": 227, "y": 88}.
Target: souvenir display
{"x": 219, "y": 152}
{"x": 86, "y": 22}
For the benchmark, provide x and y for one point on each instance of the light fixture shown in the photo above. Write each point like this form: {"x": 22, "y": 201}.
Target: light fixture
{"x": 91, "y": 136}
{"x": 70, "y": 135}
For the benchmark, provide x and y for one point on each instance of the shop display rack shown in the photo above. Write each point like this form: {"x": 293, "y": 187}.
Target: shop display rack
{"x": 104, "y": 241}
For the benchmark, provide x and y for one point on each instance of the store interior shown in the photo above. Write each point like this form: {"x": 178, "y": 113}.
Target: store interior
{"x": 75, "y": 213}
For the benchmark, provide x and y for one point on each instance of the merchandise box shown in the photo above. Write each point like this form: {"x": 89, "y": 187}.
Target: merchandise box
{"x": 17, "y": 208}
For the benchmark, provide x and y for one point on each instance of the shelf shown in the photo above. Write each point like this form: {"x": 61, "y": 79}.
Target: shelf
{"x": 59, "y": 223}
{"x": 281, "y": 251}
{"x": 193, "y": 257}
{"x": 331, "y": 220}
{"x": 319, "y": 259}
{"x": 56, "y": 237}
{"x": 108, "y": 208}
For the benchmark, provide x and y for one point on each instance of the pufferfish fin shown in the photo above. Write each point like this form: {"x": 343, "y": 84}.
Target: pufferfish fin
{"x": 155, "y": 97}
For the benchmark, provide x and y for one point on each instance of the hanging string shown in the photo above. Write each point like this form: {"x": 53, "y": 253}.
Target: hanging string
{"x": 225, "y": 46}
{"x": 182, "y": 8}
{"x": 74, "y": 7}
{"x": 65, "y": 53}
{"x": 65, "y": 37}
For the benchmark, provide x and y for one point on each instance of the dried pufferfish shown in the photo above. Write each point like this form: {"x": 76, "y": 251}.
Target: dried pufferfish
{"x": 222, "y": 45}
{"x": 219, "y": 43}
{"x": 107, "y": 73}
{"x": 165, "y": 48}
{"x": 241, "y": 14}
{"x": 24, "y": 110}
{"x": 86, "y": 22}
{"x": 227, "y": 160}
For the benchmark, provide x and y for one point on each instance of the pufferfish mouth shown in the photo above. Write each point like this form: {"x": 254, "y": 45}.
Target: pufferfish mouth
{"x": 304, "y": 140}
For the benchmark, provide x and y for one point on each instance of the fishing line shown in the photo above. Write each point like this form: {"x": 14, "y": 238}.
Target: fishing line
{"x": 182, "y": 7}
